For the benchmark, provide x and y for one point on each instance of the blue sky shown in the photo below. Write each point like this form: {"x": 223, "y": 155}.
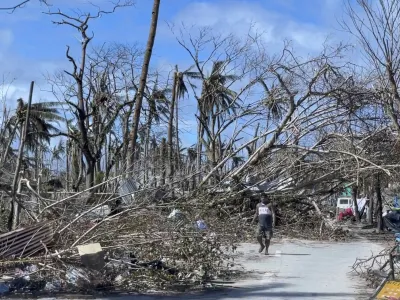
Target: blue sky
{"x": 31, "y": 46}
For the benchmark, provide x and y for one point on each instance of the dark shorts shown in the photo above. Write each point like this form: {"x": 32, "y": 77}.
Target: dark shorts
{"x": 265, "y": 233}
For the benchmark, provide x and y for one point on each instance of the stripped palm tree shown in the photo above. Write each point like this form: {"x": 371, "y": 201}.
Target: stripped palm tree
{"x": 157, "y": 112}
{"x": 179, "y": 90}
{"x": 216, "y": 101}
{"x": 275, "y": 100}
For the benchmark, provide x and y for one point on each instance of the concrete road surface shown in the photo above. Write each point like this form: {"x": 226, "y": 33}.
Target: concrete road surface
{"x": 295, "y": 270}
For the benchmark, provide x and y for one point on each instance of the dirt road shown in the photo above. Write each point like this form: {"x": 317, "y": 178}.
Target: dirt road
{"x": 295, "y": 270}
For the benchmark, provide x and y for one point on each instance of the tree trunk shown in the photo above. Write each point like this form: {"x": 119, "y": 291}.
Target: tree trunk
{"x": 354, "y": 194}
{"x": 67, "y": 167}
{"x": 162, "y": 158}
{"x": 15, "y": 211}
{"x": 90, "y": 173}
{"x": 124, "y": 156}
{"x": 170, "y": 131}
{"x": 370, "y": 215}
{"x": 142, "y": 84}
{"x": 378, "y": 194}
{"x": 200, "y": 135}
{"x": 178, "y": 155}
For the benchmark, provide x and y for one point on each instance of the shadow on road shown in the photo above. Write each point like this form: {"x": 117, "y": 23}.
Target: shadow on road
{"x": 260, "y": 292}
{"x": 293, "y": 254}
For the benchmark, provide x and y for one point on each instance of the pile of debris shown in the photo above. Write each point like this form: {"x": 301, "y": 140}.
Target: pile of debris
{"x": 142, "y": 247}
{"x": 294, "y": 218}
{"x": 304, "y": 220}
{"x": 140, "y": 242}
{"x": 376, "y": 268}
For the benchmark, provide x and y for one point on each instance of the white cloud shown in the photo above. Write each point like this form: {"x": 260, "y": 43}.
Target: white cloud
{"x": 238, "y": 17}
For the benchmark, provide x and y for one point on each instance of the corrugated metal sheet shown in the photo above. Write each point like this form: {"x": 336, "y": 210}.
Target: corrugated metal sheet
{"x": 25, "y": 242}
{"x": 127, "y": 189}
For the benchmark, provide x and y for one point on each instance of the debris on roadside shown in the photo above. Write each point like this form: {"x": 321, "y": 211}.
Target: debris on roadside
{"x": 28, "y": 241}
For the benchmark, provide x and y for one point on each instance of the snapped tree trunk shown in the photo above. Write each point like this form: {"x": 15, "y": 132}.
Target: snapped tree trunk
{"x": 142, "y": 84}
{"x": 15, "y": 210}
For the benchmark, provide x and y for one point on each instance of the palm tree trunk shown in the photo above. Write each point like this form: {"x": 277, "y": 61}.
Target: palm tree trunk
{"x": 162, "y": 159}
{"x": 178, "y": 157}
{"x": 170, "y": 130}
{"x": 154, "y": 165}
{"x": 142, "y": 85}
{"x": 15, "y": 211}
{"x": 147, "y": 146}
{"x": 200, "y": 135}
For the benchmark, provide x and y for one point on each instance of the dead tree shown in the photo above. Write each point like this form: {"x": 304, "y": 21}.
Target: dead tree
{"x": 375, "y": 25}
{"x": 142, "y": 84}
{"x": 82, "y": 108}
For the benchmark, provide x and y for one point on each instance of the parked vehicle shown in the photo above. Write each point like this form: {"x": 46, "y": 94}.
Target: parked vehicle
{"x": 344, "y": 203}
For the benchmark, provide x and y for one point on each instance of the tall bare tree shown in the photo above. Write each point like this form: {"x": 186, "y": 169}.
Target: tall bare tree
{"x": 142, "y": 84}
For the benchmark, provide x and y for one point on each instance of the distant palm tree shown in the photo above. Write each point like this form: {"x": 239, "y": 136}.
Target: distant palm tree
{"x": 215, "y": 98}
{"x": 57, "y": 154}
{"x": 274, "y": 100}
{"x": 179, "y": 90}
{"x": 158, "y": 110}
{"x": 40, "y": 127}
{"x": 42, "y": 117}
{"x": 215, "y": 94}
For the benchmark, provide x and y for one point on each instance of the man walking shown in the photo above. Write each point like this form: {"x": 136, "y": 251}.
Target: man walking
{"x": 264, "y": 229}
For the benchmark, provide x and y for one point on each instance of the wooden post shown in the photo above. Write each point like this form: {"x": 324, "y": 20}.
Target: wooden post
{"x": 15, "y": 211}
